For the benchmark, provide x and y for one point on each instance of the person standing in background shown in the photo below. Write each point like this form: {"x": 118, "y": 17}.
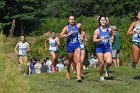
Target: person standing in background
{"x": 116, "y": 47}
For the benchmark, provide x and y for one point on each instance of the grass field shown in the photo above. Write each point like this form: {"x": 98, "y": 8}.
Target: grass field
{"x": 122, "y": 80}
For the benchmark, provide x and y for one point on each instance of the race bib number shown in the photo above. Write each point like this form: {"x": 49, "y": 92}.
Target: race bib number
{"x": 106, "y": 40}
{"x": 53, "y": 44}
{"x": 73, "y": 40}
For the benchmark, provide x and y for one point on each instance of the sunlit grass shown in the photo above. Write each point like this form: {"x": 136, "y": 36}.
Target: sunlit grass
{"x": 121, "y": 80}
{"x": 11, "y": 81}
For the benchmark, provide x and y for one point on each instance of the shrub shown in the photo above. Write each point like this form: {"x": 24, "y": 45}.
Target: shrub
{"x": 11, "y": 80}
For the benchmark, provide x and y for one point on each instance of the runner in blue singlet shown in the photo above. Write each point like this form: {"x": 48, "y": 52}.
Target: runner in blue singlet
{"x": 103, "y": 51}
{"x": 73, "y": 46}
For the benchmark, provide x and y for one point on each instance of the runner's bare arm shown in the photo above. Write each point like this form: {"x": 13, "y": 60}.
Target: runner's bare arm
{"x": 17, "y": 45}
{"x": 112, "y": 34}
{"x": 28, "y": 47}
{"x": 112, "y": 38}
{"x": 63, "y": 32}
{"x": 85, "y": 37}
{"x": 95, "y": 37}
{"x": 58, "y": 41}
{"x": 111, "y": 31}
{"x": 130, "y": 30}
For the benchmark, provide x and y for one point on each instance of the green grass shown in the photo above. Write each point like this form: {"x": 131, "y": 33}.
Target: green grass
{"x": 11, "y": 81}
{"x": 121, "y": 81}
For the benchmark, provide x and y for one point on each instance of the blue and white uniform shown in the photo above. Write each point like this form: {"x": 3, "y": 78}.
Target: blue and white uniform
{"x": 23, "y": 48}
{"x": 104, "y": 45}
{"x": 72, "y": 40}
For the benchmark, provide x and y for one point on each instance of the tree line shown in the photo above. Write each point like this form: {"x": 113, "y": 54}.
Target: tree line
{"x": 29, "y": 14}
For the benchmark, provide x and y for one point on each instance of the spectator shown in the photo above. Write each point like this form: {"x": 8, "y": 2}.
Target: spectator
{"x": 116, "y": 47}
{"x": 37, "y": 67}
{"x": 44, "y": 67}
{"x": 93, "y": 62}
{"x": 60, "y": 66}
{"x": 31, "y": 67}
{"x": 49, "y": 64}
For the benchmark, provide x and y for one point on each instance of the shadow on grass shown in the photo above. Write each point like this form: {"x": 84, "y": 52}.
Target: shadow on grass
{"x": 72, "y": 77}
{"x": 137, "y": 77}
{"x": 111, "y": 71}
{"x": 84, "y": 77}
{"x": 86, "y": 72}
{"x": 110, "y": 78}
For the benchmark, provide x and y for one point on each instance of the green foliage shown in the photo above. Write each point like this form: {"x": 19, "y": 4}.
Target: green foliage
{"x": 11, "y": 80}
{"x": 37, "y": 48}
{"x": 30, "y": 13}
{"x": 122, "y": 80}
{"x": 89, "y": 25}
{"x": 52, "y": 16}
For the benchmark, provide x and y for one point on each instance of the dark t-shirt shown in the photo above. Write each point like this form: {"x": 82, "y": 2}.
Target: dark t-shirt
{"x": 117, "y": 41}
{"x": 44, "y": 68}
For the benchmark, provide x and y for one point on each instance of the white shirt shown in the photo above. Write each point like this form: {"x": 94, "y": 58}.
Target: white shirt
{"x": 37, "y": 67}
{"x": 48, "y": 63}
{"x": 136, "y": 36}
{"x": 60, "y": 67}
{"x": 23, "y": 48}
{"x": 53, "y": 44}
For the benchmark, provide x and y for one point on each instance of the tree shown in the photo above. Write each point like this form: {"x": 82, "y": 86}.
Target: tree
{"x": 30, "y": 13}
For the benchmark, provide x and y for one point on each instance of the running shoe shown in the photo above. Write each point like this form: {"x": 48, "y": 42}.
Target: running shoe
{"x": 102, "y": 78}
{"x": 107, "y": 73}
{"x": 79, "y": 81}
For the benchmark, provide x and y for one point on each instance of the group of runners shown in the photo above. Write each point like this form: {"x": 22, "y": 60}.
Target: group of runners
{"x": 75, "y": 46}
